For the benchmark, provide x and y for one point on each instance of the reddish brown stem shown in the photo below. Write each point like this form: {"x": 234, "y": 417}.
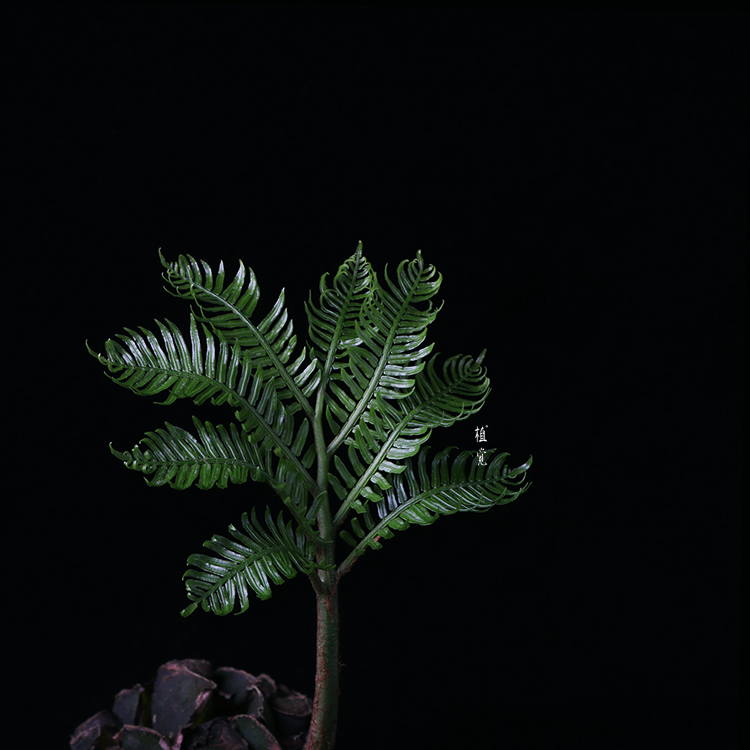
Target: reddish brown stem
{"x": 322, "y": 734}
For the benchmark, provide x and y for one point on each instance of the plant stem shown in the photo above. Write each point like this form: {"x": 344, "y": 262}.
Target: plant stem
{"x": 322, "y": 734}
{"x": 324, "y": 720}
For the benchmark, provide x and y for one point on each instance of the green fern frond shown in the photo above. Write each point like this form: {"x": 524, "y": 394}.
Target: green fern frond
{"x": 179, "y": 459}
{"x": 230, "y": 307}
{"x": 391, "y": 330}
{"x": 228, "y": 310}
{"x": 436, "y": 401}
{"x": 423, "y": 493}
{"x": 332, "y": 324}
{"x": 206, "y": 369}
{"x": 395, "y": 430}
{"x": 210, "y": 370}
{"x": 254, "y": 559}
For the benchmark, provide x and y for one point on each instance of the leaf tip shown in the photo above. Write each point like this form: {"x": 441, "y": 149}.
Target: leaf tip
{"x": 189, "y": 610}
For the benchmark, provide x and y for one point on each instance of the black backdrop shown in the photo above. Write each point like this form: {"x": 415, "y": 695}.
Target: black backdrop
{"x": 579, "y": 179}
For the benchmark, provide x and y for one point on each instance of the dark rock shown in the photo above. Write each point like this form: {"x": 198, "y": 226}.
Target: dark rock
{"x": 96, "y": 732}
{"x": 180, "y": 695}
{"x": 194, "y": 707}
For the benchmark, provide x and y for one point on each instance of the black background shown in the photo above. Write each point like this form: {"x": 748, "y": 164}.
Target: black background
{"x": 578, "y": 178}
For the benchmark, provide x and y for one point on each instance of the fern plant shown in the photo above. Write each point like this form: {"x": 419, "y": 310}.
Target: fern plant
{"x": 337, "y": 429}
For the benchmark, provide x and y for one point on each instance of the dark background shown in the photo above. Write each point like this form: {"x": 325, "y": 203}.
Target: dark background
{"x": 580, "y": 181}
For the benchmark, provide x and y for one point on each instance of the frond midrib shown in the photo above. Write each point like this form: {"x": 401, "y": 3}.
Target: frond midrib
{"x": 426, "y": 497}
{"x": 364, "y": 401}
{"x": 341, "y": 320}
{"x": 278, "y": 364}
{"x": 396, "y": 431}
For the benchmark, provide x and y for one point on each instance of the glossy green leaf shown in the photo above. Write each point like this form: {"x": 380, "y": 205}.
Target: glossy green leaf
{"x": 253, "y": 559}
{"x": 228, "y": 309}
{"x": 177, "y": 458}
{"x": 425, "y": 491}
